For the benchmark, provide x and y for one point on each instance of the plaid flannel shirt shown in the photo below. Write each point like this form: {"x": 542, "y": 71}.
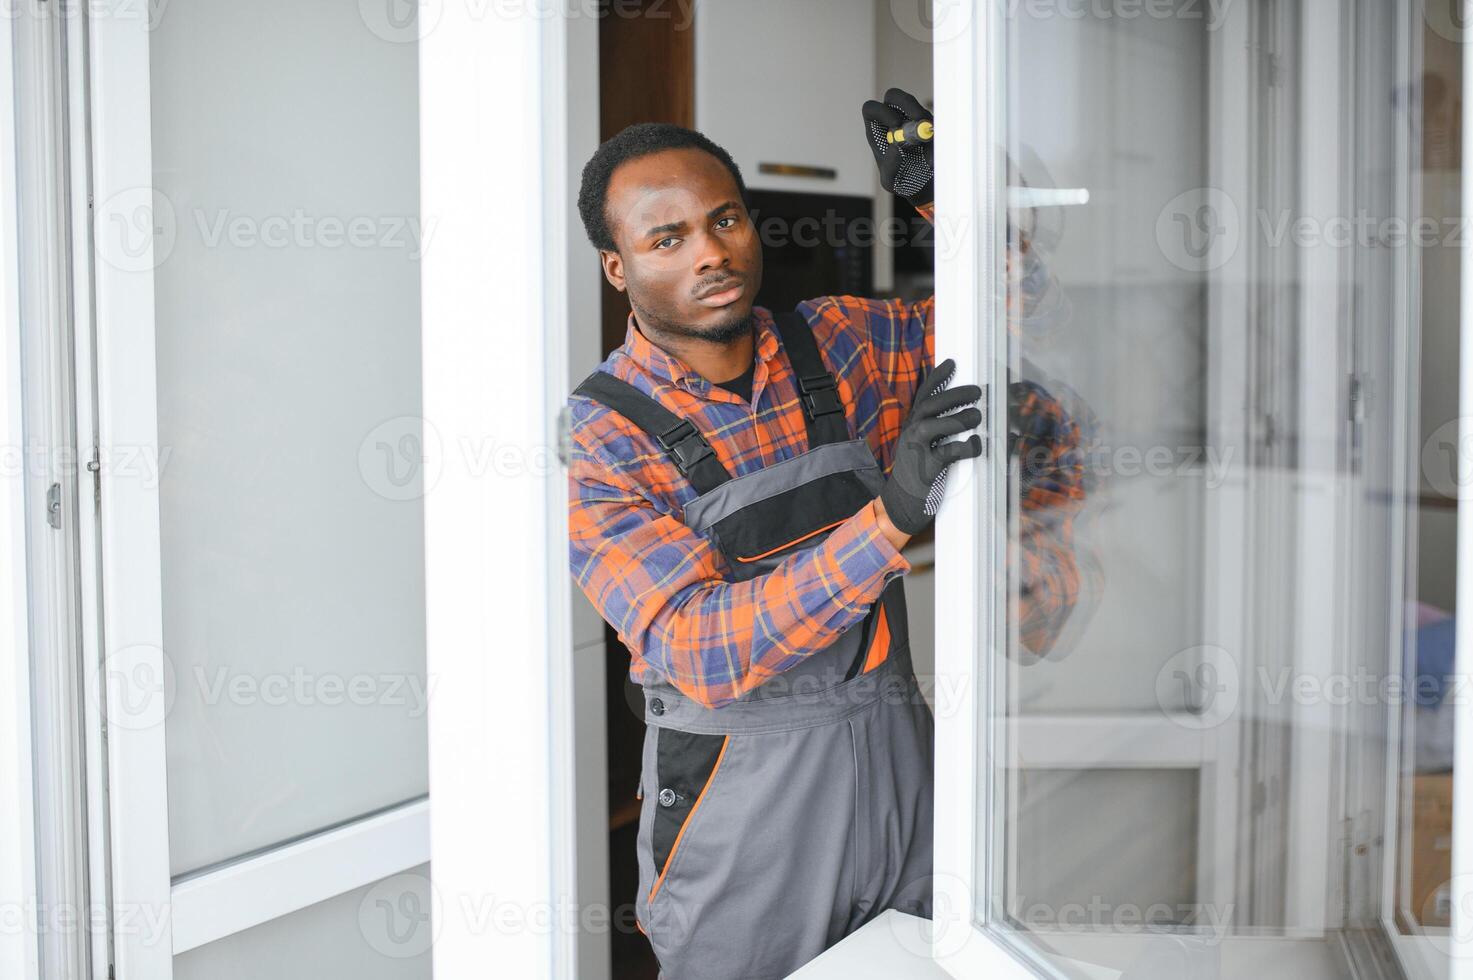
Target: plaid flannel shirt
{"x": 666, "y": 589}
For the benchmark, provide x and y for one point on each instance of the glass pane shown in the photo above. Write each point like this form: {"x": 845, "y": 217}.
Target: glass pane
{"x": 381, "y": 932}
{"x": 285, "y": 143}
{"x": 1428, "y": 519}
{"x": 1216, "y": 740}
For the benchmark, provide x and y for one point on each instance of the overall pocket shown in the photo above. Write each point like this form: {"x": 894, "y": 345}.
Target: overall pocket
{"x": 687, "y": 764}
{"x": 759, "y": 875}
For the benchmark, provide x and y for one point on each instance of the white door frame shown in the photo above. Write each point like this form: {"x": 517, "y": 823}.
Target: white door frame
{"x": 494, "y": 178}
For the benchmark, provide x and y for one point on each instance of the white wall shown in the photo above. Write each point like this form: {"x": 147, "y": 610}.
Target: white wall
{"x": 902, "y": 53}
{"x": 783, "y": 83}
{"x": 902, "y": 60}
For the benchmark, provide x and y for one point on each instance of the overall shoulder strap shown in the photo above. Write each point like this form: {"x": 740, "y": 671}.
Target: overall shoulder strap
{"x": 819, "y": 393}
{"x": 685, "y": 446}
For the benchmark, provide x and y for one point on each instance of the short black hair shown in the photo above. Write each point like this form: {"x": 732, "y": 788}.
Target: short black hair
{"x": 638, "y": 140}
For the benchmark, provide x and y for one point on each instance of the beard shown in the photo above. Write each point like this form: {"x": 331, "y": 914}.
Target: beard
{"x": 724, "y": 331}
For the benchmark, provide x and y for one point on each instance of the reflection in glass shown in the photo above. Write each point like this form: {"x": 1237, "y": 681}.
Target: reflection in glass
{"x": 1224, "y": 747}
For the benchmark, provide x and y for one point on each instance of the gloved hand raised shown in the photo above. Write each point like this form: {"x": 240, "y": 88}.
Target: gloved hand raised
{"x": 905, "y": 169}
{"x": 913, "y": 492}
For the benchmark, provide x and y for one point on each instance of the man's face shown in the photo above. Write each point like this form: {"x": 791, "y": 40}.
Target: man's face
{"x": 688, "y": 253}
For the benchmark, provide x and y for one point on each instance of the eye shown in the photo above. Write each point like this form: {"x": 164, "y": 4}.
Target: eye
{"x": 729, "y": 217}
{"x": 662, "y": 241}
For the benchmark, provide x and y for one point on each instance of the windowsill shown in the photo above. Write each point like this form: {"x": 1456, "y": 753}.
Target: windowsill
{"x": 892, "y": 946}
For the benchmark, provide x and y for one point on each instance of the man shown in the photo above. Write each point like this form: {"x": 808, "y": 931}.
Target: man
{"x": 741, "y": 485}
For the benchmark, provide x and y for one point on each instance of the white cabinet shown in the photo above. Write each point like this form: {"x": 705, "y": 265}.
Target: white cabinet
{"x": 783, "y": 83}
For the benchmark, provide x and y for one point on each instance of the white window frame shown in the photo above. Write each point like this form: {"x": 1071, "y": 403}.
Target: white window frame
{"x": 128, "y": 533}
{"x": 64, "y": 749}
{"x": 493, "y": 299}
{"x": 19, "y": 952}
{"x": 969, "y": 634}
{"x": 85, "y": 413}
{"x": 1462, "y": 857}
{"x": 1417, "y": 953}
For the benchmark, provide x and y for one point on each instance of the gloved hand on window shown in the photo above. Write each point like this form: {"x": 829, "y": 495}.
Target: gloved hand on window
{"x": 906, "y": 169}
{"x": 917, "y": 481}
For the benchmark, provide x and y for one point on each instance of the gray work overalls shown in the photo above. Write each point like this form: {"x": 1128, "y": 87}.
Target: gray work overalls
{"x": 773, "y": 826}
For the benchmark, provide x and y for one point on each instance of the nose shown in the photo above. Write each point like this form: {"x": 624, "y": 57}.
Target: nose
{"x": 712, "y": 255}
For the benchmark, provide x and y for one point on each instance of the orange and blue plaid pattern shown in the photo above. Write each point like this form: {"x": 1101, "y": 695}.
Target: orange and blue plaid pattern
{"x": 666, "y": 589}
{"x": 1049, "y": 494}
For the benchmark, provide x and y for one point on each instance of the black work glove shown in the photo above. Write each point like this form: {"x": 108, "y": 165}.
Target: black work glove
{"x": 917, "y": 481}
{"x": 905, "y": 169}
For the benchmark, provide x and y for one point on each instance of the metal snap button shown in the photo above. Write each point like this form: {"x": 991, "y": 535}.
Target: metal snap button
{"x": 657, "y": 706}
{"x": 667, "y": 797}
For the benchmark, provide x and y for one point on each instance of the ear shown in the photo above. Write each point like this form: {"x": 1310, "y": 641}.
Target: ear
{"x": 613, "y": 268}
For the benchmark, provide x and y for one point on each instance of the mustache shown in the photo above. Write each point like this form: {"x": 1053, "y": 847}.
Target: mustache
{"x": 718, "y": 285}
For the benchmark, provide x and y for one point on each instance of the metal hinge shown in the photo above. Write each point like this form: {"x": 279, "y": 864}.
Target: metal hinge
{"x": 94, "y": 466}
{"x": 1356, "y": 399}
{"x": 1258, "y": 798}
{"x": 564, "y": 435}
{"x": 1270, "y": 65}
{"x": 53, "y": 505}
{"x": 1274, "y": 69}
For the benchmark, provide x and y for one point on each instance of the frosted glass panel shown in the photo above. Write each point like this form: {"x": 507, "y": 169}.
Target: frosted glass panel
{"x": 381, "y": 932}
{"x": 285, "y": 142}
